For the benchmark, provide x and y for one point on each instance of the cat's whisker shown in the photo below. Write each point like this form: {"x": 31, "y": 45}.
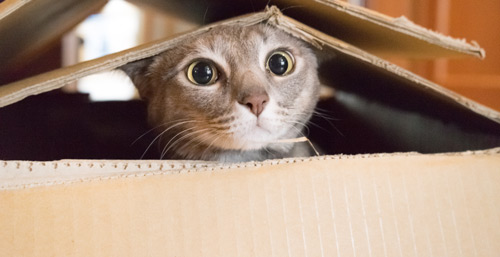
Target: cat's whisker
{"x": 313, "y": 124}
{"x": 197, "y": 137}
{"x": 144, "y": 134}
{"x": 325, "y": 112}
{"x": 291, "y": 7}
{"x": 189, "y": 131}
{"x": 217, "y": 136}
{"x": 298, "y": 131}
{"x": 201, "y": 138}
{"x": 155, "y": 128}
{"x": 152, "y": 142}
{"x": 184, "y": 136}
{"x": 268, "y": 2}
{"x": 167, "y": 145}
{"x": 163, "y": 132}
{"x": 269, "y": 152}
{"x": 323, "y": 116}
{"x": 205, "y": 15}
{"x": 253, "y": 7}
{"x": 302, "y": 124}
{"x": 297, "y": 140}
{"x": 329, "y": 121}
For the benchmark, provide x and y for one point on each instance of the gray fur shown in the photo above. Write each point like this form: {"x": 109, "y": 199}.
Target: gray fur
{"x": 208, "y": 122}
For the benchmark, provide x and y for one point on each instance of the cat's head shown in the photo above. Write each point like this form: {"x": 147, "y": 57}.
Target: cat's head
{"x": 231, "y": 88}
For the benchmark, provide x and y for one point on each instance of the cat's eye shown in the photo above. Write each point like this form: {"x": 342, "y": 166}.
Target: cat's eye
{"x": 202, "y": 73}
{"x": 280, "y": 63}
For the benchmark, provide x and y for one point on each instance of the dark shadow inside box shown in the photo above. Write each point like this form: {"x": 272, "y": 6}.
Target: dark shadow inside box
{"x": 371, "y": 111}
{"x": 57, "y": 126}
{"x": 374, "y": 110}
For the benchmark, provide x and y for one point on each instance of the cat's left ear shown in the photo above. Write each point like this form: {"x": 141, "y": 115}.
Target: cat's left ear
{"x": 137, "y": 71}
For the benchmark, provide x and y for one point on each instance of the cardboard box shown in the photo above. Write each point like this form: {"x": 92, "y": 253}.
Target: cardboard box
{"x": 393, "y": 204}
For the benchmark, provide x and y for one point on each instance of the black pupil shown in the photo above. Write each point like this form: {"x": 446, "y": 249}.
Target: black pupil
{"x": 278, "y": 64}
{"x": 202, "y": 73}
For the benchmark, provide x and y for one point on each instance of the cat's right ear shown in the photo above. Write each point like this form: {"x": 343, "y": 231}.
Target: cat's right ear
{"x": 138, "y": 72}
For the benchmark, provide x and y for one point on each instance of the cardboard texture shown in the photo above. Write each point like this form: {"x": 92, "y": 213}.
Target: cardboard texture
{"x": 371, "y": 31}
{"x": 438, "y": 205}
{"x": 403, "y": 204}
{"x": 48, "y": 21}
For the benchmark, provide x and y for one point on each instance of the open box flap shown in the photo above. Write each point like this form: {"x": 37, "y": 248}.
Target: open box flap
{"x": 9, "y": 6}
{"x": 17, "y": 91}
{"x": 377, "y": 33}
{"x": 379, "y": 107}
{"x": 368, "y": 30}
{"x": 29, "y": 27}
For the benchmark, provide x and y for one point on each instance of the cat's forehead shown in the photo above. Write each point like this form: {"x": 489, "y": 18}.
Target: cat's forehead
{"x": 239, "y": 35}
{"x": 238, "y": 39}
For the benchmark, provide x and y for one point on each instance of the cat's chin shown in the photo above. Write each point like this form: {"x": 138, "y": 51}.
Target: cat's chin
{"x": 257, "y": 139}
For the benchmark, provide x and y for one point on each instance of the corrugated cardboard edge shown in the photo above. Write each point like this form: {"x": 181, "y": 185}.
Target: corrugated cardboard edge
{"x": 9, "y": 7}
{"x": 415, "y": 205}
{"x": 411, "y": 206}
{"x": 29, "y": 28}
{"x": 401, "y": 25}
{"x": 318, "y": 38}
{"x": 14, "y": 92}
{"x": 28, "y": 174}
{"x": 17, "y": 91}
{"x": 405, "y": 26}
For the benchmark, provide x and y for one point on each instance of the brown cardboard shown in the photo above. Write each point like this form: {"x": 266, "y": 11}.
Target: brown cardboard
{"x": 369, "y": 88}
{"x": 48, "y": 21}
{"x": 16, "y": 91}
{"x": 366, "y": 205}
{"x": 368, "y": 30}
{"x": 371, "y": 31}
{"x": 377, "y": 33}
{"x": 403, "y": 204}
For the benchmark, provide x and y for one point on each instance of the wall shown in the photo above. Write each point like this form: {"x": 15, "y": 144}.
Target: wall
{"x": 476, "y": 79}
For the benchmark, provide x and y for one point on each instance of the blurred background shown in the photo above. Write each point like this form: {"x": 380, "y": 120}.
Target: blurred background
{"x": 473, "y": 20}
{"x": 104, "y": 27}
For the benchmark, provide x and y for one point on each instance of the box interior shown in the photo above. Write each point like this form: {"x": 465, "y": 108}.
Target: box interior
{"x": 368, "y": 30}
{"x": 371, "y": 111}
{"x": 376, "y": 111}
{"x": 376, "y": 107}
{"x": 371, "y": 31}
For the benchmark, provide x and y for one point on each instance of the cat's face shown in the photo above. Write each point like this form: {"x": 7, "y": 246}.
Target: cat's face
{"x": 232, "y": 88}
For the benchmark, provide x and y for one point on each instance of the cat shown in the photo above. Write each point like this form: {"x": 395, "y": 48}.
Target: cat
{"x": 230, "y": 94}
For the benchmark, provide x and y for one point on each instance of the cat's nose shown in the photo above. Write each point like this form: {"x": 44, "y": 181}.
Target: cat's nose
{"x": 255, "y": 102}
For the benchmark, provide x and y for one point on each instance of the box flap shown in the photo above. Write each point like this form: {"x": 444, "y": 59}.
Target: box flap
{"x": 367, "y": 205}
{"x": 378, "y": 33}
{"x": 9, "y": 6}
{"x": 28, "y": 27}
{"x": 368, "y": 30}
{"x": 17, "y": 91}
{"x": 381, "y": 107}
